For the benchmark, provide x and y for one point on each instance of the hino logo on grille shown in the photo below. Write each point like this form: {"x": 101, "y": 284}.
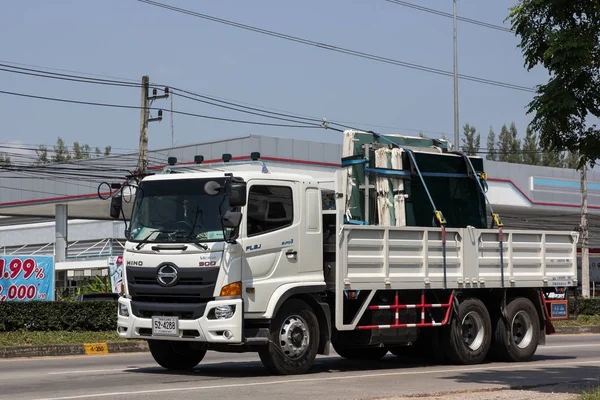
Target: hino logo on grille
{"x": 167, "y": 275}
{"x": 135, "y": 263}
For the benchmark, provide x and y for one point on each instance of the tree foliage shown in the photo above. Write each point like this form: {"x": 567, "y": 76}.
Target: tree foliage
{"x": 471, "y": 140}
{"x": 491, "y": 146}
{"x": 531, "y": 154}
{"x": 5, "y": 161}
{"x": 563, "y": 37}
{"x": 61, "y": 153}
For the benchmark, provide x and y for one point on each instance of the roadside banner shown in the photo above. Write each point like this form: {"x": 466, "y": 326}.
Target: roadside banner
{"x": 115, "y": 269}
{"x": 26, "y": 278}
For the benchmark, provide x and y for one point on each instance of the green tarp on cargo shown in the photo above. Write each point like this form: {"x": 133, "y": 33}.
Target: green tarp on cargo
{"x": 357, "y": 205}
{"x": 459, "y": 199}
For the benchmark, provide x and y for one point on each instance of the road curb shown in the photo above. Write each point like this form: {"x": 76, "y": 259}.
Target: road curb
{"x": 55, "y": 350}
{"x": 572, "y": 330}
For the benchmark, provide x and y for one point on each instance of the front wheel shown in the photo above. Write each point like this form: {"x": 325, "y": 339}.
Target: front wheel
{"x": 518, "y": 341}
{"x": 293, "y": 339}
{"x": 175, "y": 355}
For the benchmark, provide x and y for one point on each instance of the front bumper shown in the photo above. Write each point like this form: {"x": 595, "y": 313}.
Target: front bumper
{"x": 199, "y": 330}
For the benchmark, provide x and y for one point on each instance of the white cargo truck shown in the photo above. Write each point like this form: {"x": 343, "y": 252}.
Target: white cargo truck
{"x": 260, "y": 256}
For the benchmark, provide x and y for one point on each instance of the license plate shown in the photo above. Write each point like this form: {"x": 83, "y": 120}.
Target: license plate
{"x": 165, "y": 326}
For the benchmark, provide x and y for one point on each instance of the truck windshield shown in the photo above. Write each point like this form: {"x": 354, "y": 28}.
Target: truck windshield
{"x": 177, "y": 210}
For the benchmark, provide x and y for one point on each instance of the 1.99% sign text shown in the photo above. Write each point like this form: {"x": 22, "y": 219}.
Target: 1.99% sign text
{"x": 26, "y": 270}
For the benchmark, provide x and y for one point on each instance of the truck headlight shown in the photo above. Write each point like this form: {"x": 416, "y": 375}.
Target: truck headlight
{"x": 123, "y": 310}
{"x": 224, "y": 312}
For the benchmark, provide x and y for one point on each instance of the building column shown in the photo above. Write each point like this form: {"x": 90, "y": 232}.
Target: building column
{"x": 61, "y": 232}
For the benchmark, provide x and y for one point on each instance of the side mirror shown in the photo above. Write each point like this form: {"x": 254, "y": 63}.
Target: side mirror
{"x": 116, "y": 205}
{"x": 232, "y": 219}
{"x": 212, "y": 188}
{"x": 237, "y": 192}
{"x": 231, "y": 223}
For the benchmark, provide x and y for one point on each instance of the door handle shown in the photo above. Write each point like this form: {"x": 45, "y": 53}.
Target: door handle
{"x": 291, "y": 253}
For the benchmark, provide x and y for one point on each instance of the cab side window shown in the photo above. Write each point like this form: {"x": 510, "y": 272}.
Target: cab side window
{"x": 270, "y": 208}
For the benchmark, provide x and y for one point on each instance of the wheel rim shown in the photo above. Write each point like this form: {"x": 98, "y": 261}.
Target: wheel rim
{"x": 473, "y": 330}
{"x": 522, "y": 329}
{"x": 294, "y": 337}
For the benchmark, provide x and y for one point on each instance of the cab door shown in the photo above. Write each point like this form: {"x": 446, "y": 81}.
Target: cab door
{"x": 270, "y": 238}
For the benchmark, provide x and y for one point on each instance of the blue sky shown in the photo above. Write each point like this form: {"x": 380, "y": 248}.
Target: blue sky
{"x": 128, "y": 39}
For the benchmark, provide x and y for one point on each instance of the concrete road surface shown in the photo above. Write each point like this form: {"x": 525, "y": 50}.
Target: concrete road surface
{"x": 241, "y": 376}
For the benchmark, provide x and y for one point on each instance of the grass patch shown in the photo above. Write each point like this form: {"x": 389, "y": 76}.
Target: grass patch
{"x": 582, "y": 320}
{"x": 593, "y": 394}
{"x": 25, "y": 338}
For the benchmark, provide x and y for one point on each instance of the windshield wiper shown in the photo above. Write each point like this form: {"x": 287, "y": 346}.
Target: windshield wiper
{"x": 196, "y": 241}
{"x": 144, "y": 240}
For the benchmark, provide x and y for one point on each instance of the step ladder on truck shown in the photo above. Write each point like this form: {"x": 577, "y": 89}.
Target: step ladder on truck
{"x": 390, "y": 253}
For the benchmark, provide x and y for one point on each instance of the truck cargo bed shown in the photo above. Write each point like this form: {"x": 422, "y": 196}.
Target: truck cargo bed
{"x": 379, "y": 257}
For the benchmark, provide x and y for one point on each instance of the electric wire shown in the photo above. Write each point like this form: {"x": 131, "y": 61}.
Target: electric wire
{"x": 123, "y": 106}
{"x": 266, "y": 110}
{"x": 338, "y": 49}
{"x": 450, "y": 15}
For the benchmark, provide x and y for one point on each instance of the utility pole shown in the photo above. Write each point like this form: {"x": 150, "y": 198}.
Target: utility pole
{"x": 145, "y": 119}
{"x": 456, "y": 132}
{"x": 143, "y": 156}
{"x": 172, "y": 131}
{"x": 585, "y": 257}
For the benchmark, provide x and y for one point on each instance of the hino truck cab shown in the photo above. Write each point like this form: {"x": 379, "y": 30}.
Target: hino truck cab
{"x": 211, "y": 255}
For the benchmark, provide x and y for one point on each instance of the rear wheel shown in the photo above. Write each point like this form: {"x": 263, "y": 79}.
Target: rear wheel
{"x": 518, "y": 341}
{"x": 469, "y": 337}
{"x": 293, "y": 339}
{"x": 175, "y": 355}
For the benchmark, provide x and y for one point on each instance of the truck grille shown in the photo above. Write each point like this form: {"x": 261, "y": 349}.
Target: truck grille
{"x": 187, "y": 298}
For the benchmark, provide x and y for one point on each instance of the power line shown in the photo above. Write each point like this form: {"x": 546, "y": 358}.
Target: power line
{"x": 245, "y": 111}
{"x": 72, "y": 71}
{"x": 450, "y": 15}
{"x": 263, "y": 109}
{"x": 343, "y": 50}
{"x": 43, "y": 74}
{"x": 123, "y": 106}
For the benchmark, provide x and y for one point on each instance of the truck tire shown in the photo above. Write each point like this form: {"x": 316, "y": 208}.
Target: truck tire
{"x": 359, "y": 353}
{"x": 469, "y": 337}
{"x": 520, "y": 341}
{"x": 293, "y": 339}
{"x": 175, "y": 355}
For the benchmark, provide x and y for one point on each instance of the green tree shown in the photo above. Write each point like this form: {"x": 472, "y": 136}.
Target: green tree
{"x": 492, "y": 155}
{"x": 531, "y": 153}
{"x": 563, "y": 37}
{"x": 81, "y": 152}
{"x": 504, "y": 144}
{"x": 42, "y": 155}
{"x": 61, "y": 152}
{"x": 471, "y": 140}
{"x": 5, "y": 161}
{"x": 515, "y": 155}
{"x": 572, "y": 160}
{"x": 553, "y": 158}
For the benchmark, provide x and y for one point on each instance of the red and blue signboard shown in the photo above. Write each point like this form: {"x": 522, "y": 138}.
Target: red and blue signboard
{"x": 26, "y": 278}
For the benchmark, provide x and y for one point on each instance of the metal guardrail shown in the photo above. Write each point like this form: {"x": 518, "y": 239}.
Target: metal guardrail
{"x": 79, "y": 249}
